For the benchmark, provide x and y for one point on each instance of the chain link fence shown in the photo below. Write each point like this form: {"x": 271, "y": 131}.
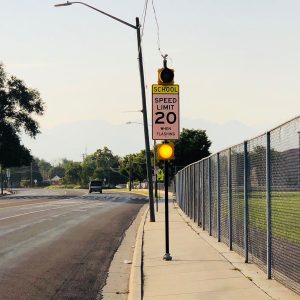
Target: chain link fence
{"x": 248, "y": 196}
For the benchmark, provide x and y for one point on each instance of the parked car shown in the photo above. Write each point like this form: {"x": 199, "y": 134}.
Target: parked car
{"x": 95, "y": 186}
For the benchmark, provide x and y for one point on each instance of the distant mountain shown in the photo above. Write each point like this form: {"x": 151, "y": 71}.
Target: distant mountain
{"x": 73, "y": 139}
{"x": 224, "y": 135}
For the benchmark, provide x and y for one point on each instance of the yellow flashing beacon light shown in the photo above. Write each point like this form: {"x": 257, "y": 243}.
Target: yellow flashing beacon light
{"x": 165, "y": 75}
{"x": 165, "y": 151}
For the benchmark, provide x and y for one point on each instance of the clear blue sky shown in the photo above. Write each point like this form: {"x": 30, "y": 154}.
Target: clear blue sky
{"x": 235, "y": 60}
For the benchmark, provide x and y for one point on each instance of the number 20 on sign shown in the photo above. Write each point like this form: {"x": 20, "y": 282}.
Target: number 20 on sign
{"x": 165, "y": 112}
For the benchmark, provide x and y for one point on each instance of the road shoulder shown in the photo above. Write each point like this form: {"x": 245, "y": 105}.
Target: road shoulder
{"x": 117, "y": 283}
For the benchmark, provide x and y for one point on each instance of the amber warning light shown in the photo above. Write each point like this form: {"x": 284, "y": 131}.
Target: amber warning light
{"x": 165, "y": 151}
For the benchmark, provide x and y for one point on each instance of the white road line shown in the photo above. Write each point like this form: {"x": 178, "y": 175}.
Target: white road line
{"x": 33, "y": 212}
{"x": 45, "y": 202}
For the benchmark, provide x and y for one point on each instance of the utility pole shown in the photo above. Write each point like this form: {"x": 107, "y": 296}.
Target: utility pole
{"x": 130, "y": 166}
{"x": 146, "y": 131}
{"x": 31, "y": 184}
{"x": 1, "y": 180}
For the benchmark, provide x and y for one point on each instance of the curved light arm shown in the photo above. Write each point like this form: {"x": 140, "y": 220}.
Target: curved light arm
{"x": 100, "y": 11}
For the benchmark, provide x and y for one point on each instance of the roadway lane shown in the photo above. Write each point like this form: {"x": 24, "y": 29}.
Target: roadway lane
{"x": 57, "y": 244}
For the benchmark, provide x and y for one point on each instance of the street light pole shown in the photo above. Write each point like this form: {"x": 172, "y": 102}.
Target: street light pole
{"x": 130, "y": 175}
{"x": 146, "y": 131}
{"x": 1, "y": 175}
{"x": 144, "y": 105}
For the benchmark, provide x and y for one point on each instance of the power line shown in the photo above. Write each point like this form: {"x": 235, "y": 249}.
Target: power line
{"x": 157, "y": 30}
{"x": 144, "y": 18}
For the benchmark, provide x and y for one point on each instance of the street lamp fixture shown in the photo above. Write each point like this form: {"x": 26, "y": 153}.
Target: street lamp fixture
{"x": 63, "y": 4}
{"x": 129, "y": 122}
{"x": 144, "y": 105}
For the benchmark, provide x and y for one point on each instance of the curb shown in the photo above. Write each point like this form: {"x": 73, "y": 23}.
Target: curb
{"x": 136, "y": 275}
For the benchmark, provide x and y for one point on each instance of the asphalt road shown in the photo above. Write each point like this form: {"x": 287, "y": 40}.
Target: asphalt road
{"x": 57, "y": 244}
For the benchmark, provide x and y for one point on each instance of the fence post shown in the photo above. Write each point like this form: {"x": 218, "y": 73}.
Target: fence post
{"x": 199, "y": 190}
{"x": 268, "y": 195}
{"x": 181, "y": 190}
{"x": 209, "y": 194}
{"x": 246, "y": 213}
{"x": 229, "y": 201}
{"x": 194, "y": 189}
{"x": 218, "y": 198}
{"x": 203, "y": 202}
{"x": 189, "y": 190}
{"x": 177, "y": 187}
{"x": 186, "y": 191}
{"x": 190, "y": 193}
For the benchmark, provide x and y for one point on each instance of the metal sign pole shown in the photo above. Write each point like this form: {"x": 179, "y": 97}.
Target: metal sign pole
{"x": 167, "y": 256}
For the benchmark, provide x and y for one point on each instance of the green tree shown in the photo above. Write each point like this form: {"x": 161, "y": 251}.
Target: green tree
{"x": 192, "y": 145}
{"x": 26, "y": 173}
{"x": 99, "y": 165}
{"x": 18, "y": 104}
{"x": 73, "y": 173}
{"x": 101, "y": 173}
{"x": 65, "y": 162}
{"x": 58, "y": 170}
{"x": 105, "y": 160}
{"x": 126, "y": 166}
{"x": 33, "y": 172}
{"x": 12, "y": 152}
{"x": 134, "y": 164}
{"x": 88, "y": 168}
{"x": 44, "y": 167}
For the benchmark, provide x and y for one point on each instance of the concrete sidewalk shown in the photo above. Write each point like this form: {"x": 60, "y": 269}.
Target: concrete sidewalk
{"x": 201, "y": 267}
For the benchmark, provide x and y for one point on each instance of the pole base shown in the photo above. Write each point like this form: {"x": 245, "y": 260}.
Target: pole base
{"x": 167, "y": 257}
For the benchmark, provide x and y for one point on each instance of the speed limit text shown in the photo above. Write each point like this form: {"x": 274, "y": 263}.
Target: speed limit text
{"x": 165, "y": 103}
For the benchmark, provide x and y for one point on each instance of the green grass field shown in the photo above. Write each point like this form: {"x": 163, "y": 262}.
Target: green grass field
{"x": 285, "y": 214}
